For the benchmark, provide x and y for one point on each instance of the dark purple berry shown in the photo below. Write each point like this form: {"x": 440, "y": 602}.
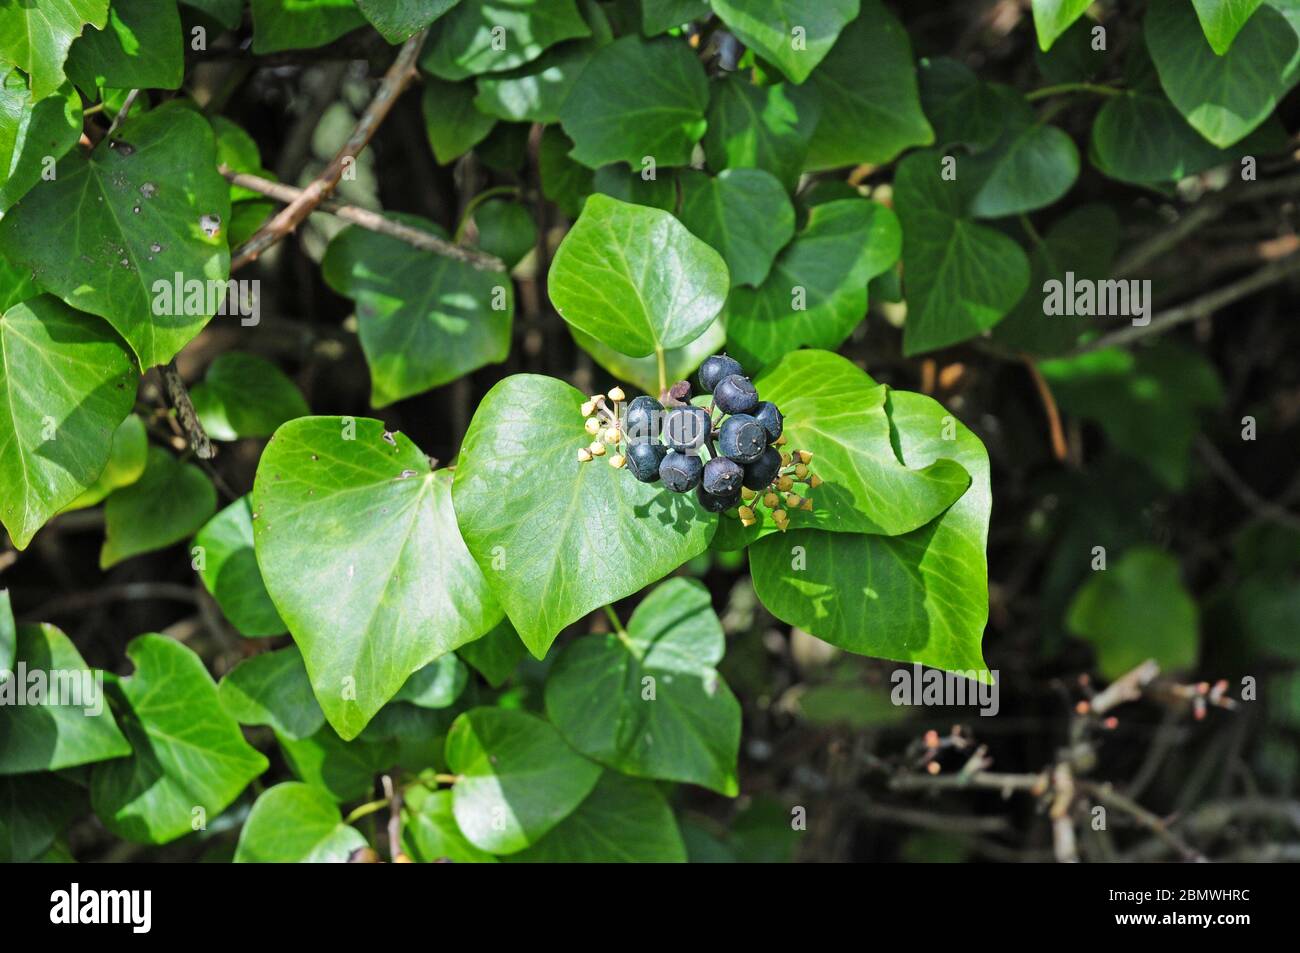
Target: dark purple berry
{"x": 760, "y": 473}
{"x": 771, "y": 419}
{"x": 643, "y": 460}
{"x": 742, "y": 438}
{"x": 686, "y": 428}
{"x": 735, "y": 395}
{"x": 722, "y": 476}
{"x": 641, "y": 420}
{"x": 680, "y": 471}
{"x": 717, "y": 367}
{"x": 714, "y": 502}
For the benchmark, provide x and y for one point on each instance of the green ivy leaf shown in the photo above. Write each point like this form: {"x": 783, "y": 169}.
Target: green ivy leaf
{"x": 451, "y": 121}
{"x": 36, "y": 38}
{"x": 430, "y": 832}
{"x": 1083, "y": 242}
{"x": 424, "y": 319}
{"x": 564, "y": 182}
{"x": 558, "y": 538}
{"x": 126, "y": 463}
{"x": 505, "y": 229}
{"x": 301, "y": 24}
{"x": 688, "y": 729}
{"x": 659, "y": 16}
{"x": 399, "y": 20}
{"x": 437, "y": 685}
{"x": 489, "y": 36}
{"x": 65, "y": 383}
{"x": 1030, "y": 166}
{"x": 1224, "y": 97}
{"x": 517, "y": 778}
{"x": 111, "y": 226}
{"x": 243, "y": 395}
{"x": 963, "y": 109}
{"x": 1137, "y": 610}
{"x": 761, "y": 127}
{"x": 294, "y": 823}
{"x": 919, "y": 597}
{"x": 816, "y": 293}
{"x": 392, "y": 587}
{"x": 618, "y": 181}
{"x": 742, "y": 213}
{"x": 871, "y": 109}
{"x": 1054, "y": 17}
{"x": 169, "y": 503}
{"x": 961, "y": 278}
{"x": 769, "y": 28}
{"x": 44, "y": 736}
{"x": 8, "y": 632}
{"x": 535, "y": 92}
{"x": 32, "y": 130}
{"x": 188, "y": 752}
{"x": 635, "y": 278}
{"x": 34, "y": 810}
{"x": 226, "y": 12}
{"x": 1149, "y": 401}
{"x": 643, "y": 372}
{"x": 637, "y": 99}
{"x": 230, "y": 572}
{"x": 345, "y": 770}
{"x": 273, "y": 689}
{"x": 141, "y": 47}
{"x": 1222, "y": 20}
{"x": 621, "y": 820}
{"x": 838, "y": 412}
{"x": 495, "y": 654}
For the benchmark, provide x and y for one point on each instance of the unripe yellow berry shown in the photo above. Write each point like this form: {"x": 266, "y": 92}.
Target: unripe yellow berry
{"x": 616, "y": 394}
{"x": 617, "y": 461}
{"x": 612, "y": 435}
{"x": 746, "y": 513}
{"x": 747, "y": 494}
{"x": 592, "y": 426}
{"x": 597, "y": 449}
{"x": 785, "y": 483}
{"x": 793, "y": 500}
{"x": 588, "y": 408}
{"x": 771, "y": 500}
{"x": 807, "y": 505}
{"x": 805, "y": 455}
{"x": 584, "y": 455}
{"x": 815, "y": 482}
{"x": 801, "y": 471}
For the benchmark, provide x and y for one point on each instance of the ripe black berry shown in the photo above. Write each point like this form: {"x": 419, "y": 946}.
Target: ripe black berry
{"x": 742, "y": 438}
{"x": 722, "y": 476}
{"x": 735, "y": 395}
{"x": 686, "y": 428}
{"x": 717, "y": 367}
{"x": 762, "y": 471}
{"x": 680, "y": 471}
{"x": 771, "y": 419}
{"x": 641, "y": 421}
{"x": 714, "y": 502}
{"x": 643, "y": 460}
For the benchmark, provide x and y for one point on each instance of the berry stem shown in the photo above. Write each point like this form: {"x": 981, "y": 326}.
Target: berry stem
{"x": 663, "y": 370}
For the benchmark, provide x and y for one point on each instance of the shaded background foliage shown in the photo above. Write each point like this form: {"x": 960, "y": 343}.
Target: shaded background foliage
{"x": 1155, "y": 464}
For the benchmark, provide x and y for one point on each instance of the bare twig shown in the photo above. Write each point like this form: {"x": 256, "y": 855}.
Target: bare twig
{"x": 373, "y": 221}
{"x": 399, "y": 76}
{"x": 122, "y": 113}
{"x": 189, "y": 420}
{"x": 1106, "y": 794}
{"x": 1262, "y": 508}
{"x": 1128, "y": 687}
{"x": 1060, "y": 449}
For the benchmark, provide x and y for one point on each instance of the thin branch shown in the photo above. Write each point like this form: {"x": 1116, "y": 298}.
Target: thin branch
{"x": 372, "y": 221}
{"x": 1060, "y": 449}
{"x": 1200, "y": 307}
{"x": 189, "y": 420}
{"x": 1063, "y": 88}
{"x": 1262, "y": 508}
{"x": 1106, "y": 794}
{"x": 399, "y": 76}
{"x": 122, "y": 114}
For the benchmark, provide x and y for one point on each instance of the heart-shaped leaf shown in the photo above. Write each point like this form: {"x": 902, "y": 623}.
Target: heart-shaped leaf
{"x": 32, "y": 130}
{"x": 761, "y": 127}
{"x": 635, "y": 279}
{"x": 961, "y": 278}
{"x": 871, "y": 109}
{"x": 920, "y": 597}
{"x": 489, "y": 36}
{"x": 66, "y": 382}
{"x": 436, "y": 685}
{"x": 294, "y": 823}
{"x": 430, "y": 831}
{"x": 1054, "y": 17}
{"x": 794, "y": 34}
{"x": 243, "y": 395}
{"x": 452, "y": 123}
{"x": 495, "y": 654}
{"x": 169, "y": 502}
{"x": 516, "y": 779}
{"x": 423, "y": 319}
{"x": 649, "y": 702}
{"x": 622, "y": 820}
{"x": 1224, "y": 97}
{"x": 965, "y": 110}
{"x": 141, "y": 46}
{"x": 816, "y": 293}
{"x": 68, "y": 723}
{"x": 292, "y": 25}
{"x": 188, "y": 752}
{"x": 637, "y": 99}
{"x": 230, "y": 573}
{"x": 126, "y": 463}
{"x": 36, "y": 38}
{"x": 273, "y": 689}
{"x": 1136, "y": 610}
{"x": 556, "y": 537}
{"x": 1031, "y": 165}
{"x": 345, "y": 770}
{"x": 112, "y": 233}
{"x": 390, "y": 587}
{"x": 1222, "y": 20}
{"x": 835, "y": 410}
{"x": 742, "y": 213}
{"x": 34, "y": 810}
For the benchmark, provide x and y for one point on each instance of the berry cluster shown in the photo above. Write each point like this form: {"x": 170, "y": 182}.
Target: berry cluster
{"x": 742, "y": 434}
